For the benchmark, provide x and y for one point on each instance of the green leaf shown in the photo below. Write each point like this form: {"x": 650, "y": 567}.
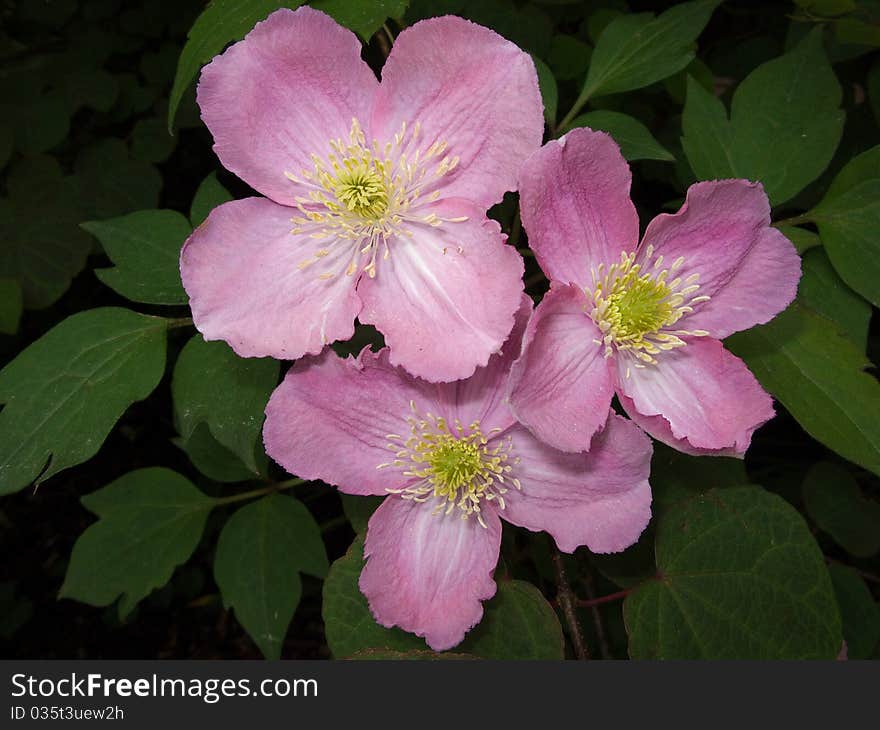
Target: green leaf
{"x": 858, "y": 611}
{"x": 803, "y": 240}
{"x": 151, "y": 141}
{"x": 151, "y": 521}
{"x": 358, "y": 510}
{"x": 91, "y": 87}
{"x": 364, "y": 17}
{"x": 823, "y": 291}
{"x": 836, "y": 504}
{"x": 41, "y": 124}
{"x": 569, "y": 57}
{"x": 849, "y": 220}
{"x": 518, "y": 623}
{"x": 7, "y": 141}
{"x": 549, "y": 90}
{"x": 740, "y": 577}
{"x": 261, "y": 551}
{"x": 636, "y": 142}
{"x": 209, "y": 195}
{"x": 819, "y": 376}
{"x": 212, "y": 385}
{"x": 784, "y": 125}
{"x": 10, "y": 306}
{"x": 111, "y": 183}
{"x": 220, "y": 23}
{"x": 636, "y": 50}
{"x": 145, "y": 246}
{"x": 676, "y": 476}
{"x": 65, "y": 392}
{"x": 214, "y": 460}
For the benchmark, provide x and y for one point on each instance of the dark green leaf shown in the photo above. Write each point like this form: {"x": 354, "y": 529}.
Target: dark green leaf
{"x": 151, "y": 141}
{"x": 364, "y": 17}
{"x": 676, "y": 476}
{"x": 145, "y": 246}
{"x": 549, "y": 90}
{"x": 740, "y": 577}
{"x": 214, "y": 460}
{"x": 65, "y": 392}
{"x": 221, "y": 22}
{"x": 111, "y": 183}
{"x": 151, "y": 521}
{"x": 836, "y": 504}
{"x": 358, "y": 510}
{"x": 819, "y": 376}
{"x": 823, "y": 291}
{"x": 859, "y": 612}
{"x": 569, "y": 57}
{"x": 261, "y": 551}
{"x": 849, "y": 220}
{"x": 636, "y": 142}
{"x": 803, "y": 240}
{"x": 212, "y": 385}
{"x": 10, "y": 306}
{"x": 42, "y": 124}
{"x": 209, "y": 195}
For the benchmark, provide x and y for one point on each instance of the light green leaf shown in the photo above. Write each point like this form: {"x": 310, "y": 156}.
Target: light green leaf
{"x": 740, "y": 577}
{"x": 209, "y": 195}
{"x": 549, "y": 90}
{"x": 145, "y": 246}
{"x": 849, "y": 221}
{"x": 636, "y": 142}
{"x": 823, "y": 291}
{"x": 819, "y": 376}
{"x": 151, "y": 521}
{"x": 517, "y": 623}
{"x": 261, "y": 551}
{"x": 212, "y": 385}
{"x": 784, "y": 126}
{"x": 10, "y": 306}
{"x": 858, "y": 611}
{"x": 836, "y": 504}
{"x": 65, "y": 392}
{"x": 364, "y": 17}
{"x": 635, "y": 50}
{"x": 220, "y": 23}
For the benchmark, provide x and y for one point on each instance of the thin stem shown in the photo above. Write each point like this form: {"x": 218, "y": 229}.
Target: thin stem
{"x": 515, "y": 228}
{"x": 180, "y": 322}
{"x": 583, "y": 603}
{"x": 865, "y": 574}
{"x": 254, "y": 493}
{"x": 597, "y": 619}
{"x": 572, "y": 113}
{"x": 535, "y": 279}
{"x": 566, "y": 601}
{"x": 793, "y": 221}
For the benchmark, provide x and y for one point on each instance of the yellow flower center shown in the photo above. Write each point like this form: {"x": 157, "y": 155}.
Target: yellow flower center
{"x": 457, "y": 466}
{"x": 366, "y": 194}
{"x": 635, "y": 305}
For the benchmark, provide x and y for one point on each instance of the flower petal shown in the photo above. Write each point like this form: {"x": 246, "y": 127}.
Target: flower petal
{"x": 483, "y": 396}
{"x": 445, "y": 298}
{"x": 471, "y": 88}
{"x": 241, "y": 271}
{"x": 330, "y": 419}
{"x": 707, "y": 394}
{"x": 294, "y": 83}
{"x": 428, "y": 573}
{"x": 714, "y": 230}
{"x": 575, "y": 205}
{"x": 765, "y": 283}
{"x": 601, "y": 499}
{"x": 561, "y": 386}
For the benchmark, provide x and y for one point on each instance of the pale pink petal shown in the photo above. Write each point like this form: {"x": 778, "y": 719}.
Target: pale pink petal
{"x": 445, "y": 298}
{"x": 471, "y": 88}
{"x": 294, "y": 83}
{"x": 575, "y": 205}
{"x": 658, "y": 427}
{"x": 427, "y": 573}
{"x": 330, "y": 419}
{"x": 601, "y": 499}
{"x": 708, "y": 395}
{"x": 764, "y": 284}
{"x": 483, "y": 396}
{"x": 241, "y": 271}
{"x": 561, "y": 386}
{"x": 719, "y": 223}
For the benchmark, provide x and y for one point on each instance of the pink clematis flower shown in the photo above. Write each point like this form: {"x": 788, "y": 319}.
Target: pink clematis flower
{"x": 376, "y": 194}
{"x": 453, "y": 462}
{"x": 644, "y": 321}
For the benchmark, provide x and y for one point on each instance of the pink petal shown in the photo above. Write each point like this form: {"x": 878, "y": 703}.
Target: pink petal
{"x": 714, "y": 230}
{"x": 708, "y": 395}
{"x": 575, "y": 205}
{"x": 483, "y": 396}
{"x": 561, "y": 386}
{"x": 428, "y": 573}
{"x": 294, "y": 83}
{"x": 445, "y": 298}
{"x": 601, "y": 499}
{"x": 765, "y": 284}
{"x": 471, "y": 88}
{"x": 241, "y": 271}
{"x": 330, "y": 419}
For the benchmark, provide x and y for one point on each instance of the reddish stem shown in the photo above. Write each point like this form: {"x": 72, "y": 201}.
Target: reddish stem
{"x": 588, "y": 603}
